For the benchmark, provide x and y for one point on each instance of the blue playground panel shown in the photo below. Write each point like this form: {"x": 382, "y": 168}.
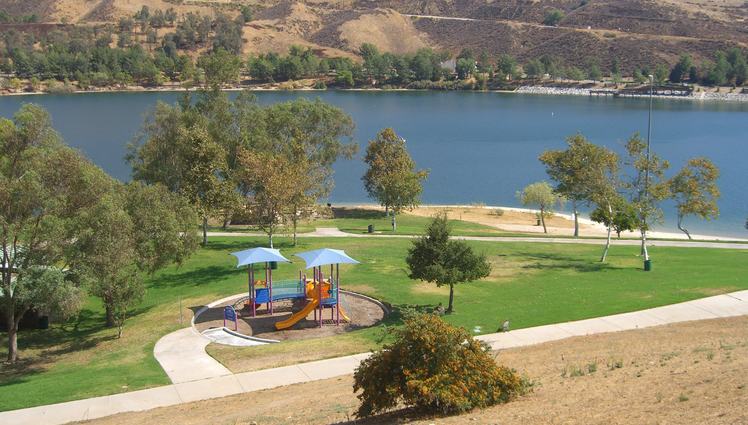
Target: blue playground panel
{"x": 288, "y": 290}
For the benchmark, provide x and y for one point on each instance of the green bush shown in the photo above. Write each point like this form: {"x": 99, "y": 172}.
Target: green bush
{"x": 553, "y": 17}
{"x": 433, "y": 367}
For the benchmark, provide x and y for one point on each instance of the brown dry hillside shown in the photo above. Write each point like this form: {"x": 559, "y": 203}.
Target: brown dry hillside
{"x": 634, "y": 32}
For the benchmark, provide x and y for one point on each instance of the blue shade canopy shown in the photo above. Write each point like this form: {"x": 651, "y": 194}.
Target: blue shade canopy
{"x": 324, "y": 256}
{"x": 258, "y": 255}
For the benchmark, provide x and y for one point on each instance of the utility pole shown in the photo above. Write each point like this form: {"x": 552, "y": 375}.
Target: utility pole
{"x": 645, "y": 252}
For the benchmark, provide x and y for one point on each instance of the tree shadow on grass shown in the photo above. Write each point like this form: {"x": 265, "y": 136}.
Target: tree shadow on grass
{"x": 19, "y": 372}
{"x": 196, "y": 277}
{"x": 238, "y": 244}
{"x": 357, "y": 213}
{"x": 552, "y": 261}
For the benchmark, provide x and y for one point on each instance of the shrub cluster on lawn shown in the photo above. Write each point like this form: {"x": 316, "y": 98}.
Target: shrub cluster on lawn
{"x": 433, "y": 367}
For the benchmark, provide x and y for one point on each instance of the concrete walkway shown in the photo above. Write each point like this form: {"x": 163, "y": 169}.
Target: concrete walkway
{"x": 182, "y": 356}
{"x": 332, "y": 232}
{"x": 224, "y": 383}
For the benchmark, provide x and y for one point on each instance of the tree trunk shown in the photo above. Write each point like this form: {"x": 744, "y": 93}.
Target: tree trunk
{"x": 205, "y": 231}
{"x": 681, "y": 228}
{"x": 645, "y": 253}
{"x": 607, "y": 240}
{"x": 576, "y": 218}
{"x": 542, "y": 219}
{"x": 295, "y": 222}
{"x": 451, "y": 298}
{"x": 386, "y": 210}
{"x": 110, "y": 322}
{"x": 270, "y": 237}
{"x": 12, "y": 336}
{"x": 394, "y": 222}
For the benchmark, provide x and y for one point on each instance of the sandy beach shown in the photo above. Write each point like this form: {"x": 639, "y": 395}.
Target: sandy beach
{"x": 523, "y": 220}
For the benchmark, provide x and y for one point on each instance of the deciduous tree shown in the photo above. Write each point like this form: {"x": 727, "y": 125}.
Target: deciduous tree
{"x": 540, "y": 195}
{"x": 647, "y": 185}
{"x": 695, "y": 191}
{"x": 391, "y": 177}
{"x": 44, "y": 189}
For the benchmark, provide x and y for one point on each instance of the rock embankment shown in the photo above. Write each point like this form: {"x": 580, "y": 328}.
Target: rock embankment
{"x": 710, "y": 96}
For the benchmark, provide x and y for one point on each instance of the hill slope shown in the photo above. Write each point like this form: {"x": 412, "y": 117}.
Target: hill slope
{"x": 632, "y": 32}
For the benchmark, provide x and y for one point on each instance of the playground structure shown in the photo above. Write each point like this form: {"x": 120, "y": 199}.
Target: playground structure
{"x": 319, "y": 292}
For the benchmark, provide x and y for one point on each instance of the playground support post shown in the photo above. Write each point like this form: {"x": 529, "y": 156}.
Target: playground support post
{"x": 319, "y": 294}
{"x": 251, "y": 272}
{"x": 337, "y": 293}
{"x": 269, "y": 284}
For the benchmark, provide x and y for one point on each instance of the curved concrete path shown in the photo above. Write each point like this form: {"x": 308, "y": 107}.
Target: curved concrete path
{"x": 221, "y": 384}
{"x": 182, "y": 356}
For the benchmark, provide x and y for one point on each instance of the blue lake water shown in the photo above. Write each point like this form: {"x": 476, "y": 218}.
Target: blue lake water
{"x": 479, "y": 147}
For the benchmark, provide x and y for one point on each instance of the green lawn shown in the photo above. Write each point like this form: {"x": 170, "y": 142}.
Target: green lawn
{"x": 354, "y": 220}
{"x": 532, "y": 284}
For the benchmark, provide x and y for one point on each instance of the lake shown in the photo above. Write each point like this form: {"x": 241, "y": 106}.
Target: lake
{"x": 479, "y": 147}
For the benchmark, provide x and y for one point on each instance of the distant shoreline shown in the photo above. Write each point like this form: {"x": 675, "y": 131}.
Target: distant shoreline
{"x": 529, "y": 90}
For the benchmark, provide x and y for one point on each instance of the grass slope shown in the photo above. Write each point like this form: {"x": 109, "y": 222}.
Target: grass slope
{"x": 532, "y": 284}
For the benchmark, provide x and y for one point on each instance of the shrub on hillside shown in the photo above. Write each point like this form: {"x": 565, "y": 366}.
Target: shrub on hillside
{"x": 434, "y": 367}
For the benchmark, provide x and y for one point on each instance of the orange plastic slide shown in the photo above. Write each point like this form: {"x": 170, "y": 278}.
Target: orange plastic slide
{"x": 308, "y": 308}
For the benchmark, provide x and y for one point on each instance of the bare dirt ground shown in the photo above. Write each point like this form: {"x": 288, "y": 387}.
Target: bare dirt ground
{"x": 510, "y": 220}
{"x": 363, "y": 313}
{"x": 692, "y": 372}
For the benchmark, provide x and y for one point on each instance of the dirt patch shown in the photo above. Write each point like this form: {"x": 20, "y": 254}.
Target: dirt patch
{"x": 686, "y": 373}
{"x": 386, "y": 29}
{"x": 361, "y": 312}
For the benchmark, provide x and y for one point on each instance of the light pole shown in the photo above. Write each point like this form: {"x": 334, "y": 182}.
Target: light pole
{"x": 645, "y": 252}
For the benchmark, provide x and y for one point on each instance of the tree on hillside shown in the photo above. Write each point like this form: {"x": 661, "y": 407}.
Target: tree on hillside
{"x": 221, "y": 68}
{"x": 661, "y": 73}
{"x": 134, "y": 230}
{"x": 435, "y": 258}
{"x": 553, "y": 17}
{"x": 682, "y": 69}
{"x": 44, "y": 189}
{"x": 391, "y": 177}
{"x": 465, "y": 68}
{"x": 540, "y": 195}
{"x": 695, "y": 191}
{"x": 647, "y": 185}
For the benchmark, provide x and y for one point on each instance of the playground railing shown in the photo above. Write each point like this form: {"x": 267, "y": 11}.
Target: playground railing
{"x": 288, "y": 289}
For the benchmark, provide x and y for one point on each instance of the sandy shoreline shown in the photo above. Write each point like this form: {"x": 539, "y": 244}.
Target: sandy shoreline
{"x": 561, "y": 224}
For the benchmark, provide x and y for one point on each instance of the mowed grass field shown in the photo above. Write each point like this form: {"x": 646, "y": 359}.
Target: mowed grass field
{"x": 531, "y": 284}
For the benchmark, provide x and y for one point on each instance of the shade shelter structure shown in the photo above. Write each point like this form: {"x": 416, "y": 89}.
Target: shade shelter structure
{"x": 252, "y": 256}
{"x": 334, "y": 258}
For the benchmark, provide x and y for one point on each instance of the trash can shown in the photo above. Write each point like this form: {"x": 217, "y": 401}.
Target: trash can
{"x": 43, "y": 322}
{"x": 538, "y": 223}
{"x": 647, "y": 265}
{"x": 370, "y": 228}
{"x": 273, "y": 265}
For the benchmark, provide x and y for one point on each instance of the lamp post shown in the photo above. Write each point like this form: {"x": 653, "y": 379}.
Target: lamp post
{"x": 645, "y": 252}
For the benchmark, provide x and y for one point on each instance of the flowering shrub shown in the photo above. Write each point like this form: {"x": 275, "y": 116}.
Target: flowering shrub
{"x": 434, "y": 367}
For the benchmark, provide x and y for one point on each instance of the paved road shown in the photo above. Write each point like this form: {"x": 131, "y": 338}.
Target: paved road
{"x": 332, "y": 232}
{"x": 221, "y": 385}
